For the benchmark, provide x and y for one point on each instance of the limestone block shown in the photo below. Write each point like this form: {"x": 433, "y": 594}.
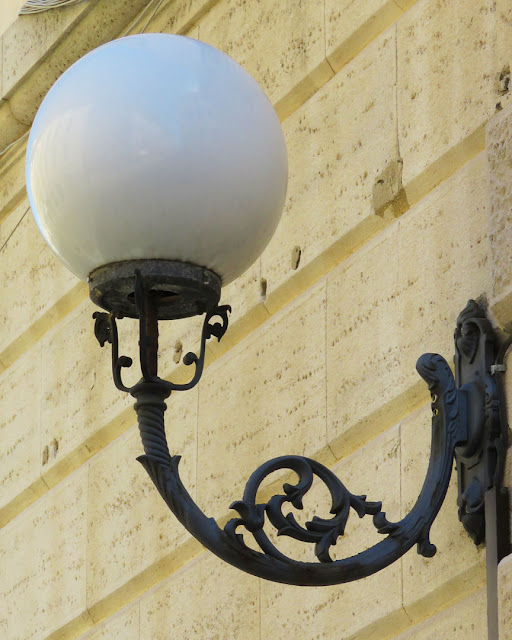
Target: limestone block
{"x": 11, "y": 129}
{"x": 12, "y": 181}
{"x": 122, "y": 626}
{"x": 399, "y": 297}
{"x": 130, "y": 527}
{"x": 246, "y": 297}
{"x": 9, "y": 12}
{"x": 193, "y": 33}
{"x": 42, "y": 554}
{"x": 458, "y": 566}
{"x": 449, "y": 65}
{"x": 352, "y": 24}
{"x": 405, "y": 4}
{"x": 30, "y": 37}
{"x": 505, "y": 597}
{"x": 19, "y": 431}
{"x": 344, "y": 611}
{"x": 281, "y": 43}
{"x": 508, "y": 460}
{"x": 9, "y": 223}
{"x": 1, "y": 56}
{"x": 95, "y": 24}
{"x": 176, "y": 338}
{"x": 465, "y": 620}
{"x": 33, "y": 280}
{"x": 206, "y": 600}
{"x": 180, "y": 17}
{"x": 499, "y": 153}
{"x": 334, "y": 173}
{"x": 264, "y": 398}
{"x": 79, "y": 396}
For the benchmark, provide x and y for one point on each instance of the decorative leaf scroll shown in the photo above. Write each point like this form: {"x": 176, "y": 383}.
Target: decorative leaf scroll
{"x": 105, "y": 330}
{"x": 323, "y": 532}
{"x": 217, "y": 330}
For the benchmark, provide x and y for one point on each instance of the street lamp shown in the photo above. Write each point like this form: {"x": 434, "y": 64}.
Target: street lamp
{"x": 157, "y": 170}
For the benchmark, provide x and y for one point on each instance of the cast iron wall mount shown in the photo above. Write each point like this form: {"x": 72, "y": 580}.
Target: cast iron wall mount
{"x": 468, "y": 424}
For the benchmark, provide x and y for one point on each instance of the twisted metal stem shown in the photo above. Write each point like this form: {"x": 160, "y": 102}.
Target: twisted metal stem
{"x": 150, "y": 408}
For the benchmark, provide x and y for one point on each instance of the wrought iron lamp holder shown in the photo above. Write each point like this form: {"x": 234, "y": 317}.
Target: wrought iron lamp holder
{"x": 468, "y": 424}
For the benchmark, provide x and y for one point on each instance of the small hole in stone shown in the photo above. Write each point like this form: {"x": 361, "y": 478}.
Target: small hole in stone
{"x": 263, "y": 288}
{"x": 296, "y": 254}
{"x": 504, "y": 81}
{"x": 178, "y": 350}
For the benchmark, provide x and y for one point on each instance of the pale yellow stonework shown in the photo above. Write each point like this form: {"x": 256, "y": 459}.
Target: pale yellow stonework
{"x": 398, "y": 121}
{"x": 9, "y": 12}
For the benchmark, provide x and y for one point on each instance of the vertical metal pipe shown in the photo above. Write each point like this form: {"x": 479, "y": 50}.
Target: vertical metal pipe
{"x": 497, "y": 537}
{"x": 151, "y": 330}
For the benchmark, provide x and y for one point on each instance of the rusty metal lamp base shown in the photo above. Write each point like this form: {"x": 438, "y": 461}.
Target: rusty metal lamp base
{"x": 180, "y": 289}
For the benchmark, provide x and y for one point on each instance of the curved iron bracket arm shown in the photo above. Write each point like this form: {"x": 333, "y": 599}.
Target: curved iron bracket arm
{"x": 465, "y": 423}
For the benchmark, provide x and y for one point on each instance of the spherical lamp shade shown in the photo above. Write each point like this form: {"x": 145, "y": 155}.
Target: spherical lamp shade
{"x": 157, "y": 147}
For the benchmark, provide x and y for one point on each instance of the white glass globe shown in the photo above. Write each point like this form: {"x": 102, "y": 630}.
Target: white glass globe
{"x": 157, "y": 146}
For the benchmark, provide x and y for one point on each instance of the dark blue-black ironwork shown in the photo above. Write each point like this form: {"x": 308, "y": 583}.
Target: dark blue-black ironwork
{"x": 467, "y": 422}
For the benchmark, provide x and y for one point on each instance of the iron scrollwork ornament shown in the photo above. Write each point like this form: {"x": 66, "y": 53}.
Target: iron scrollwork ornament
{"x": 461, "y": 407}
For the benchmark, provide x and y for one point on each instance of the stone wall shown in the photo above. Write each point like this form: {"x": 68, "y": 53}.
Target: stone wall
{"x": 398, "y": 122}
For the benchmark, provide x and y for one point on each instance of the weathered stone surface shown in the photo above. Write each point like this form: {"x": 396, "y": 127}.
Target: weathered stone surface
{"x": 19, "y": 429}
{"x": 246, "y": 297}
{"x": 9, "y": 223}
{"x": 96, "y": 24}
{"x": 399, "y": 297}
{"x": 79, "y": 396}
{"x": 449, "y": 63}
{"x": 333, "y": 169}
{"x": 263, "y": 399}
{"x": 505, "y": 597}
{"x": 30, "y": 37}
{"x": 499, "y": 154}
{"x": 280, "y": 42}
{"x": 42, "y": 554}
{"x": 405, "y": 4}
{"x": 123, "y": 626}
{"x": 9, "y": 12}
{"x": 129, "y": 525}
{"x": 207, "y": 600}
{"x": 33, "y": 280}
{"x": 180, "y": 17}
{"x": 345, "y": 610}
{"x": 12, "y": 182}
{"x": 459, "y": 566}
{"x": 465, "y": 619}
{"x": 351, "y": 25}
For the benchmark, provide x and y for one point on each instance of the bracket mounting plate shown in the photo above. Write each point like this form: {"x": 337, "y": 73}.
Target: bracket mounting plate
{"x": 480, "y": 460}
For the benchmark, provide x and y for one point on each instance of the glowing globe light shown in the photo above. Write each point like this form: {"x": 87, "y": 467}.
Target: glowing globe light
{"x": 157, "y": 147}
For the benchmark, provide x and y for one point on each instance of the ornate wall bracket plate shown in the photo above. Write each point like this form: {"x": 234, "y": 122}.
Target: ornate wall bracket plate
{"x": 480, "y": 460}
